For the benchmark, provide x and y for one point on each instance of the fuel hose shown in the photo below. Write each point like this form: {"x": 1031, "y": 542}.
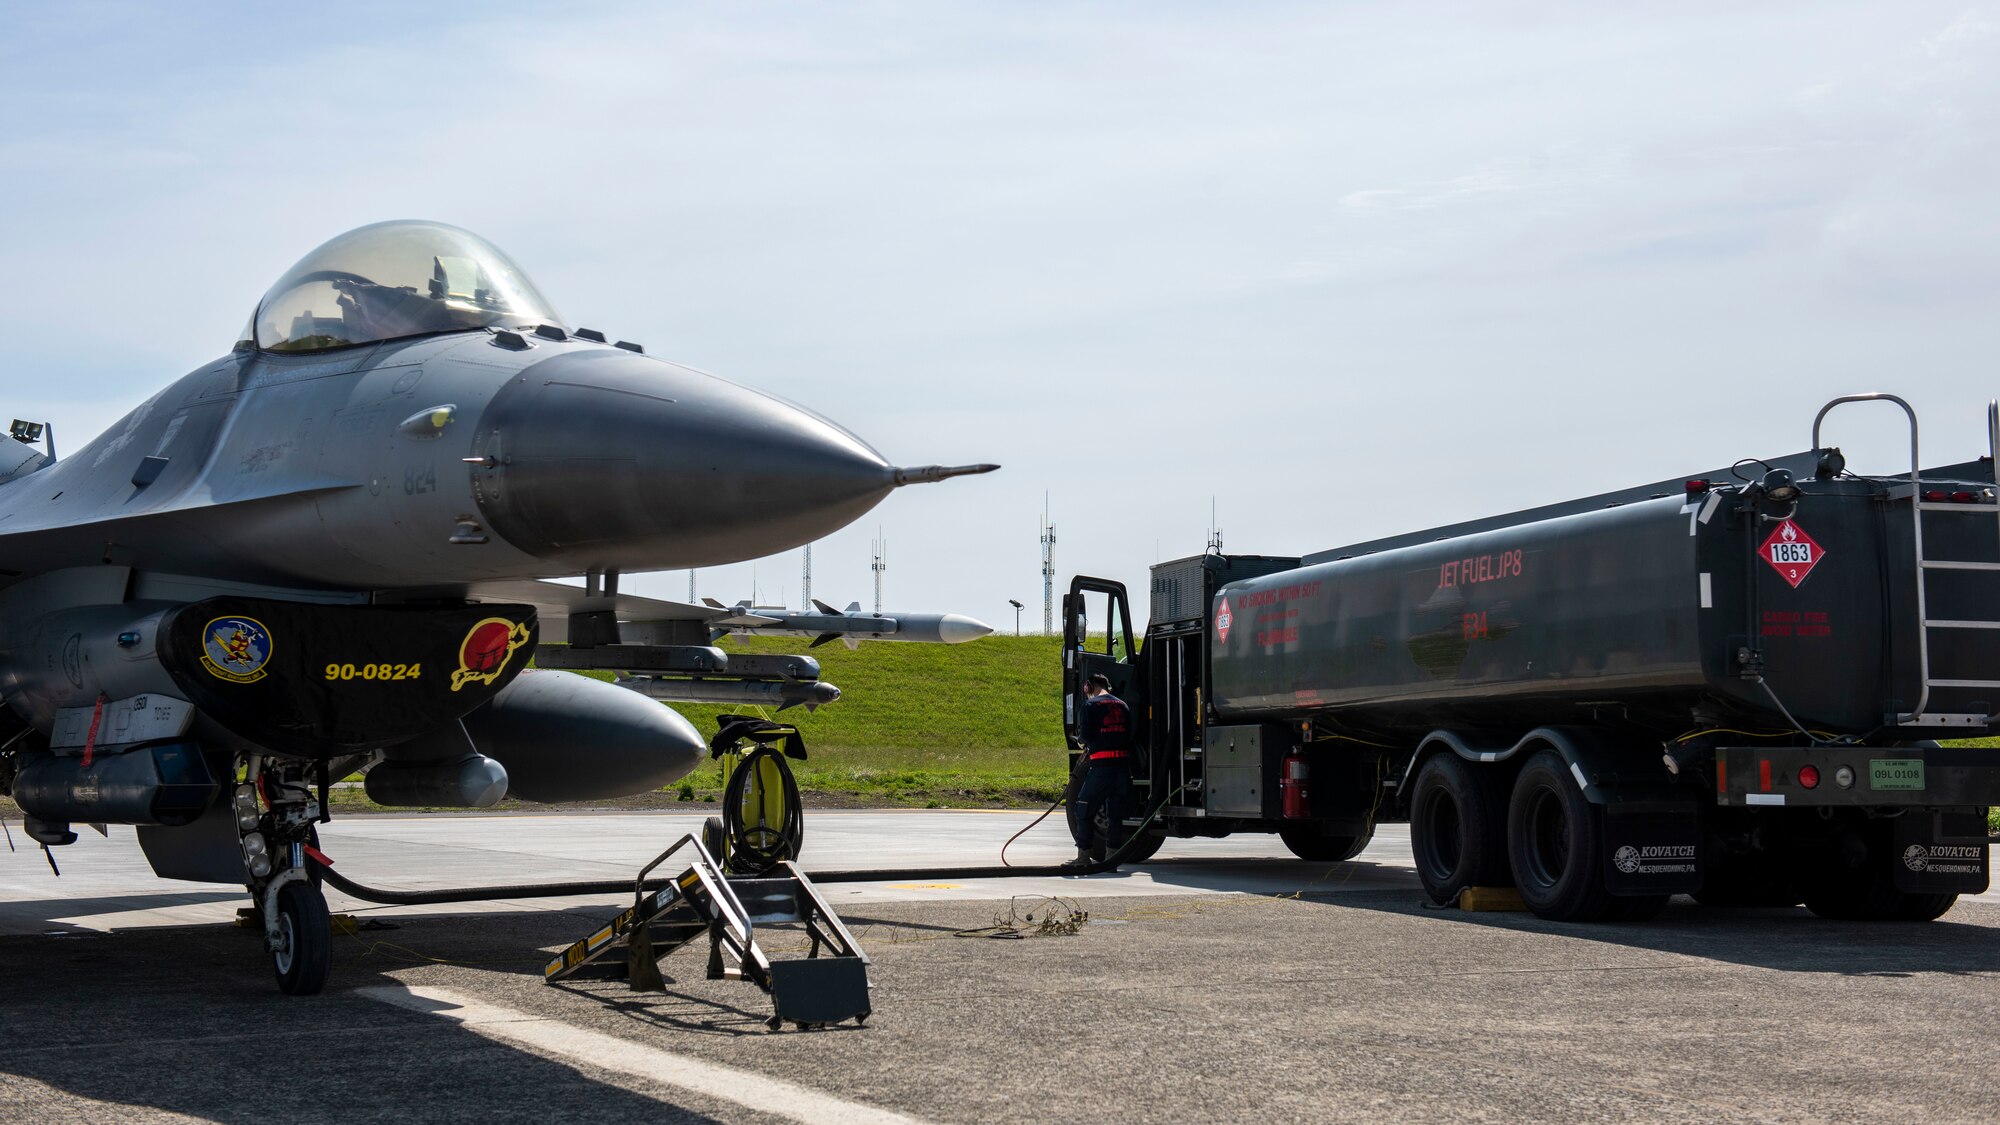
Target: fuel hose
{"x": 624, "y": 886}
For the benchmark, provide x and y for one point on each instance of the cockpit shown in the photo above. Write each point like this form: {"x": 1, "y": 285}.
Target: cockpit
{"x": 392, "y": 281}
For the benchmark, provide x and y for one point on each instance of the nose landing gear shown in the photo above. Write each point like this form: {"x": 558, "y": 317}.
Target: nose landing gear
{"x": 275, "y": 814}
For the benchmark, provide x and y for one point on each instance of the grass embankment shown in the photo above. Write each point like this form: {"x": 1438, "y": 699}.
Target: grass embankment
{"x": 971, "y": 724}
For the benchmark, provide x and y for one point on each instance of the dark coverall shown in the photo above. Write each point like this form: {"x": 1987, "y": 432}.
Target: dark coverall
{"x": 1107, "y": 782}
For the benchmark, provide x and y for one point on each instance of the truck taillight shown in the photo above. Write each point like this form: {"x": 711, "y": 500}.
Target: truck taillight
{"x": 1934, "y": 496}
{"x": 1809, "y": 776}
{"x": 1698, "y": 487}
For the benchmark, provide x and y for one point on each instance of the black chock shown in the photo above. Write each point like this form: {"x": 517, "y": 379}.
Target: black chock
{"x": 641, "y": 966}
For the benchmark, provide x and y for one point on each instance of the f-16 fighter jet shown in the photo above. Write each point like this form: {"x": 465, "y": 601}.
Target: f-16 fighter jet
{"x": 329, "y": 550}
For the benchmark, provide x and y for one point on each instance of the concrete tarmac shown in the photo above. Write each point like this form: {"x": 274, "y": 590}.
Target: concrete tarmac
{"x": 1223, "y": 982}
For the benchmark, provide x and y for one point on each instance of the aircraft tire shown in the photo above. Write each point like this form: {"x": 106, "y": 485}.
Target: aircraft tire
{"x": 302, "y": 917}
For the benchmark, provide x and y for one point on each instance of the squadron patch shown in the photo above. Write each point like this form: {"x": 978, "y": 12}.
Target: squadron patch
{"x": 484, "y": 653}
{"x": 236, "y": 649}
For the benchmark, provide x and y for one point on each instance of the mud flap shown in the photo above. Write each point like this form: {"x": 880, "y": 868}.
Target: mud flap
{"x": 1941, "y": 852}
{"x": 1652, "y": 847}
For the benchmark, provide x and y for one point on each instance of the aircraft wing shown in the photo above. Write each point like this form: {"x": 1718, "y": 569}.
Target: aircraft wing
{"x": 182, "y": 535}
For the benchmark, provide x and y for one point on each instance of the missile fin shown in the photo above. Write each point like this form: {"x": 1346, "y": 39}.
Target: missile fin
{"x": 823, "y": 638}
{"x": 852, "y": 607}
{"x": 827, "y": 609}
{"x": 850, "y": 640}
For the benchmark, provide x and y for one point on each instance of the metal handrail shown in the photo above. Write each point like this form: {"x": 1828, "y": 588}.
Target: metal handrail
{"x": 1916, "y": 528}
{"x": 709, "y": 873}
{"x": 848, "y": 945}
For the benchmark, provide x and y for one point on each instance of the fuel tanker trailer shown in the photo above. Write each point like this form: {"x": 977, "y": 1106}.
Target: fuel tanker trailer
{"x": 1747, "y": 685}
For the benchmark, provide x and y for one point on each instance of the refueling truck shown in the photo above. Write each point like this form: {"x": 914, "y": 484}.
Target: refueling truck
{"x": 1742, "y": 685}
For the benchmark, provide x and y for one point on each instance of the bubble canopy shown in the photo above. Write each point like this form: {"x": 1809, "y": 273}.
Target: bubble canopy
{"x": 391, "y": 281}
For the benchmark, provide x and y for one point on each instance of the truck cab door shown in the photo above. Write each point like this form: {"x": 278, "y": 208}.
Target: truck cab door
{"x": 1097, "y": 638}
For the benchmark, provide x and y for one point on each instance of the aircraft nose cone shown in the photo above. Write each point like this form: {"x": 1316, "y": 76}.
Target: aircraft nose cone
{"x": 604, "y": 458}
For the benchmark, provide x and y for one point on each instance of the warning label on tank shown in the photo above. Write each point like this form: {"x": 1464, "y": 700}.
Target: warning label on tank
{"x": 1791, "y": 552}
{"x": 1222, "y": 619}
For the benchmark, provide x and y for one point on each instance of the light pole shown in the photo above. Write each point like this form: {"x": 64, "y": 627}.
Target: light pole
{"x": 1017, "y": 615}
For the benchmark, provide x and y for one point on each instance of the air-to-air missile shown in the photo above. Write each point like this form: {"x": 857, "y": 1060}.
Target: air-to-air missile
{"x": 852, "y": 626}
{"x": 329, "y": 549}
{"x": 782, "y": 682}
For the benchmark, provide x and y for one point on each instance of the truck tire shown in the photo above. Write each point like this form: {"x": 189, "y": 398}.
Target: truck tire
{"x": 1307, "y": 844}
{"x": 1636, "y": 908}
{"x": 1458, "y": 827}
{"x": 1865, "y": 891}
{"x": 1145, "y": 848}
{"x": 1081, "y": 832}
{"x": 1746, "y": 881}
{"x": 1555, "y": 841}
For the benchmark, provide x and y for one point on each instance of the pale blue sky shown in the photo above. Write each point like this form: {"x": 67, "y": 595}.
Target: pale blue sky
{"x": 1350, "y": 269}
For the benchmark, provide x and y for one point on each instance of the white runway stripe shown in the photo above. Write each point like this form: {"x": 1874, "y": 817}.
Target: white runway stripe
{"x": 609, "y": 1052}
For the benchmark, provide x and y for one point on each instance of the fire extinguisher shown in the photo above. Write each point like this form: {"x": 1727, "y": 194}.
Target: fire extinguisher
{"x": 1293, "y": 787}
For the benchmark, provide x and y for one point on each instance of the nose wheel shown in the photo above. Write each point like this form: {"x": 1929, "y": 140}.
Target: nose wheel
{"x": 275, "y": 816}
{"x": 302, "y": 944}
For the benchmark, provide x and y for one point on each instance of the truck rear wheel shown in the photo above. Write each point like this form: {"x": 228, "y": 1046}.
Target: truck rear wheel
{"x": 1307, "y": 844}
{"x": 1555, "y": 838}
{"x": 1746, "y": 880}
{"x": 1859, "y": 884}
{"x": 1458, "y": 827}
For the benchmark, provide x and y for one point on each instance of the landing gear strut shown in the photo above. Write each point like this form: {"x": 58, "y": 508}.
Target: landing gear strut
{"x": 275, "y": 814}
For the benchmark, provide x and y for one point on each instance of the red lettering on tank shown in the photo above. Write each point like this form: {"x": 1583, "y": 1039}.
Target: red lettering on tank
{"x": 1277, "y": 594}
{"x": 1480, "y": 568}
{"x": 1475, "y": 625}
{"x": 1795, "y": 623}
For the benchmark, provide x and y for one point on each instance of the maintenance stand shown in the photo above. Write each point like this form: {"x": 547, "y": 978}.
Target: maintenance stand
{"x": 703, "y": 900}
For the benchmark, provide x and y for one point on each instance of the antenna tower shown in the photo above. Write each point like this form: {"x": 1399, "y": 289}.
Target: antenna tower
{"x": 878, "y": 565}
{"x": 806, "y": 584}
{"x": 1048, "y": 571}
{"x": 1214, "y": 532}
{"x": 691, "y": 597}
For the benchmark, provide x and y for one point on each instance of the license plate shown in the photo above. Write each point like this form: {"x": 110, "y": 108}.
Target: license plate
{"x": 1896, "y": 773}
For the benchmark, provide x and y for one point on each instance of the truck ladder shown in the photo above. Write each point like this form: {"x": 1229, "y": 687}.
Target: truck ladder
{"x": 1916, "y": 716}
{"x": 702, "y": 900}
